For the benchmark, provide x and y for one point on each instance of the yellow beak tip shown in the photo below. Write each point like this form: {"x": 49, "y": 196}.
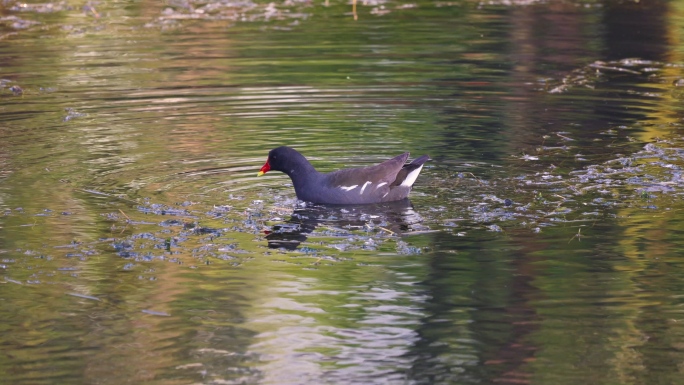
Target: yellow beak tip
{"x": 260, "y": 173}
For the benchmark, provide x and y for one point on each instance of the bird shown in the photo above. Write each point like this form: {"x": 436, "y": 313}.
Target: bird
{"x": 388, "y": 181}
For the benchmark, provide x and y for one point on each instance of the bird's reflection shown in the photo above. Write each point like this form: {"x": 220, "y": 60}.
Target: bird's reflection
{"x": 397, "y": 217}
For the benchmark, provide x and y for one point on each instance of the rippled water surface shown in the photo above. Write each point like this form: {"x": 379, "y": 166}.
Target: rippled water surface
{"x": 542, "y": 244}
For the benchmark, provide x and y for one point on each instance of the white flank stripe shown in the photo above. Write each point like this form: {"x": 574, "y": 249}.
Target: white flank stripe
{"x": 381, "y": 184}
{"x": 411, "y": 177}
{"x": 364, "y": 186}
{"x": 348, "y": 188}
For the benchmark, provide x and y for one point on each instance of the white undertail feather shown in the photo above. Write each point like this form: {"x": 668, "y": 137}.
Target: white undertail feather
{"x": 364, "y": 187}
{"x": 411, "y": 177}
{"x": 349, "y": 188}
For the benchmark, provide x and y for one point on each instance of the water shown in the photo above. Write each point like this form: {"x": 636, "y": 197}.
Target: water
{"x": 541, "y": 245}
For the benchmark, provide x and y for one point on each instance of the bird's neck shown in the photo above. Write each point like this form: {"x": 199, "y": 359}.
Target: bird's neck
{"x": 302, "y": 171}
{"x": 303, "y": 175}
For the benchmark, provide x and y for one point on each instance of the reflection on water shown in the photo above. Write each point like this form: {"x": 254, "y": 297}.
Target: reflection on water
{"x": 392, "y": 217}
{"x": 542, "y": 245}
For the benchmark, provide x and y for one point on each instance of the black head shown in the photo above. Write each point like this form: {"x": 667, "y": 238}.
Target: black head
{"x": 284, "y": 159}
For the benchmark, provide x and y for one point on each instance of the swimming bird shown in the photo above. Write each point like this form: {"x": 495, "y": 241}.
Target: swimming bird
{"x": 388, "y": 181}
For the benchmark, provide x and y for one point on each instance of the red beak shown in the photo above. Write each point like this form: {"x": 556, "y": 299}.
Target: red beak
{"x": 264, "y": 169}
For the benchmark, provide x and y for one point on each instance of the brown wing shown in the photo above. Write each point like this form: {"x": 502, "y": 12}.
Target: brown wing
{"x": 385, "y": 172}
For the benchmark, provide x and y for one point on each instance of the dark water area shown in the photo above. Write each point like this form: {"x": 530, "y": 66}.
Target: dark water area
{"x": 541, "y": 245}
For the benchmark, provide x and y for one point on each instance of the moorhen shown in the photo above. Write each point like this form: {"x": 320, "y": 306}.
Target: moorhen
{"x": 388, "y": 181}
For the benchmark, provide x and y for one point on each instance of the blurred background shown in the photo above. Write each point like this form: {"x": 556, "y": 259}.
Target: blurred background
{"x": 541, "y": 245}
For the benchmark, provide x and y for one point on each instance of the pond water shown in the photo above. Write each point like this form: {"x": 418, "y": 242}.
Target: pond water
{"x": 541, "y": 245}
